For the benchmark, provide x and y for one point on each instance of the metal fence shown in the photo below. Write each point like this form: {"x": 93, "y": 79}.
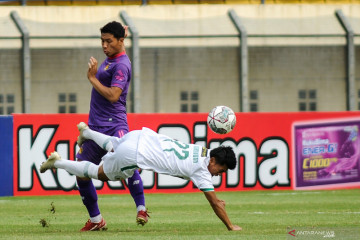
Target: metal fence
{"x": 171, "y": 57}
{"x": 150, "y": 2}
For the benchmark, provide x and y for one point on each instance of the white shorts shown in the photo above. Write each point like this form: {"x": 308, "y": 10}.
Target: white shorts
{"x": 121, "y": 163}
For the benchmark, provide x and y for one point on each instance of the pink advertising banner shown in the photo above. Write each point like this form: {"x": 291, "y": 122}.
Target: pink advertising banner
{"x": 327, "y": 153}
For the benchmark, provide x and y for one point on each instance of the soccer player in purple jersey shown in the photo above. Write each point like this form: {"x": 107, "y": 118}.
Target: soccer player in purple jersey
{"x": 108, "y": 115}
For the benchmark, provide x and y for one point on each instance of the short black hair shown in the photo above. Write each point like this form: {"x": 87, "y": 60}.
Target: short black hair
{"x": 115, "y": 28}
{"x": 224, "y": 155}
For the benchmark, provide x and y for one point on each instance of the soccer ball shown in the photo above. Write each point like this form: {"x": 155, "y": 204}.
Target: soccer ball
{"x": 221, "y": 119}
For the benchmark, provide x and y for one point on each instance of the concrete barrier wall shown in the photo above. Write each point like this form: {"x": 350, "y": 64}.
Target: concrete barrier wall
{"x": 279, "y": 67}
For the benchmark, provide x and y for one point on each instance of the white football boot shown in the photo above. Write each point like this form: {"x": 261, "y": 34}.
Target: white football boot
{"x": 49, "y": 163}
{"x": 81, "y": 126}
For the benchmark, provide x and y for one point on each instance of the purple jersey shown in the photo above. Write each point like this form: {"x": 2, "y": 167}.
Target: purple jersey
{"x": 113, "y": 72}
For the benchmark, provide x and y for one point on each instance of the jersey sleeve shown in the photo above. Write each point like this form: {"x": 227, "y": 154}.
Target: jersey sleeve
{"x": 202, "y": 180}
{"x": 120, "y": 77}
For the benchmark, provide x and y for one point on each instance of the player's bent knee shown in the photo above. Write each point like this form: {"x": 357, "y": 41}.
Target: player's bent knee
{"x": 101, "y": 175}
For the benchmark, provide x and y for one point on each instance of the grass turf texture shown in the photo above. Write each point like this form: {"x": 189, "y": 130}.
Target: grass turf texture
{"x": 261, "y": 214}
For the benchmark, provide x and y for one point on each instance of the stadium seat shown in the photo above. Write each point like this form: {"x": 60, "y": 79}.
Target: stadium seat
{"x": 132, "y": 2}
{"x": 243, "y": 1}
{"x": 287, "y": 1}
{"x": 340, "y": 1}
{"x": 160, "y": 2}
{"x": 84, "y": 2}
{"x": 109, "y": 2}
{"x": 185, "y": 1}
{"x": 58, "y": 3}
{"x": 35, "y": 2}
{"x": 312, "y": 1}
{"x": 11, "y": 3}
{"x": 212, "y": 1}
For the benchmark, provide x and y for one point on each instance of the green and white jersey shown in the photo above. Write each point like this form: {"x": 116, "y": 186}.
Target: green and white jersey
{"x": 161, "y": 154}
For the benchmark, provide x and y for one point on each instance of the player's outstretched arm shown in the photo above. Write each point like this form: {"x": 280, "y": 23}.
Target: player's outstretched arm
{"x": 219, "y": 209}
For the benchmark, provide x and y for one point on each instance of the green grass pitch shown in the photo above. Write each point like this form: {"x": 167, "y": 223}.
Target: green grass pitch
{"x": 261, "y": 214}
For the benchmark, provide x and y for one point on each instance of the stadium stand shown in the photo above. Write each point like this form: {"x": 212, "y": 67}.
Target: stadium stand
{"x": 165, "y": 2}
{"x": 159, "y": 2}
{"x": 110, "y": 2}
{"x": 60, "y": 3}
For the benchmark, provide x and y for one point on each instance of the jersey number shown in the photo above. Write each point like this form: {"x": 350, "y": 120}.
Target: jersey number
{"x": 180, "y": 150}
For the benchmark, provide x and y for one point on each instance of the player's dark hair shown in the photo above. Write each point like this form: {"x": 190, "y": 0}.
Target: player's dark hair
{"x": 114, "y": 28}
{"x": 224, "y": 155}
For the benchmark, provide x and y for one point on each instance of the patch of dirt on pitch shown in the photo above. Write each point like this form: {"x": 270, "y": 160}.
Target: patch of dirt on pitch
{"x": 45, "y": 222}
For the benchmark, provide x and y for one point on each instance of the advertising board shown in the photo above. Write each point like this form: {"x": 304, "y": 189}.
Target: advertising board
{"x": 264, "y": 143}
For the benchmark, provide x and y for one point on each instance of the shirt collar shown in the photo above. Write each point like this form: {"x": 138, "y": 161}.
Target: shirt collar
{"x": 117, "y": 55}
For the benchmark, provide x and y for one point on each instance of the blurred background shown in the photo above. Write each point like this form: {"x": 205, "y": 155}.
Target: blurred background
{"x": 187, "y": 55}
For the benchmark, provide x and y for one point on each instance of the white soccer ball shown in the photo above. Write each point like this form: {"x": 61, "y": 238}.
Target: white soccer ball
{"x": 221, "y": 119}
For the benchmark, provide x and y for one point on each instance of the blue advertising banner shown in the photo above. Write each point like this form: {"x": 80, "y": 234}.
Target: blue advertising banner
{"x": 6, "y": 153}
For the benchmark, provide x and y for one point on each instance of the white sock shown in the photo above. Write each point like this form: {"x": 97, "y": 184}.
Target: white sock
{"x": 101, "y": 139}
{"x": 141, "y": 208}
{"x": 80, "y": 169}
{"x": 96, "y": 219}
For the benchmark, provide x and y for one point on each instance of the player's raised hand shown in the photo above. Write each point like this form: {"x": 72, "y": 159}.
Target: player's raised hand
{"x": 92, "y": 68}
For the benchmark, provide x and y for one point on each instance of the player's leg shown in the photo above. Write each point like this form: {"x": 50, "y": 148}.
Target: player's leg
{"x": 93, "y": 153}
{"x": 136, "y": 189}
{"x": 82, "y": 169}
{"x": 101, "y": 139}
{"x": 135, "y": 185}
{"x": 90, "y": 200}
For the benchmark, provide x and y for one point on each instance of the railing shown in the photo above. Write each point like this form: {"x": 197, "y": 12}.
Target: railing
{"x": 149, "y": 2}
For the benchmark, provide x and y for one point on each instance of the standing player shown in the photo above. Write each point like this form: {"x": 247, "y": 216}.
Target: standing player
{"x": 148, "y": 150}
{"x": 108, "y": 115}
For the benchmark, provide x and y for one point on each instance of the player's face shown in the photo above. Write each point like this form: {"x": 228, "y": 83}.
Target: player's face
{"x": 216, "y": 169}
{"x": 110, "y": 45}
